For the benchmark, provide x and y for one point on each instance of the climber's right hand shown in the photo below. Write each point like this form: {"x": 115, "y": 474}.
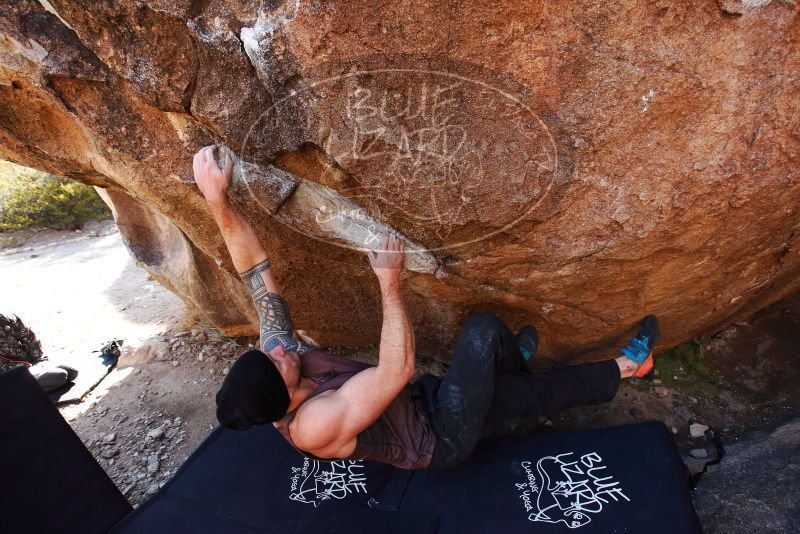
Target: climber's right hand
{"x": 387, "y": 260}
{"x": 212, "y": 180}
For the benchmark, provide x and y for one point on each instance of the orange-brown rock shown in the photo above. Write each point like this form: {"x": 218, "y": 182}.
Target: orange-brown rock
{"x": 570, "y": 164}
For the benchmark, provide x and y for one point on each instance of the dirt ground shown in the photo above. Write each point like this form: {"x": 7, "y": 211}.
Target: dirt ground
{"x": 79, "y": 290}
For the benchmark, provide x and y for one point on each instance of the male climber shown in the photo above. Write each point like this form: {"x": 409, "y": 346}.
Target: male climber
{"x": 330, "y": 407}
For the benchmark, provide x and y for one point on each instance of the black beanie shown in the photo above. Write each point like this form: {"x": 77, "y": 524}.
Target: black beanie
{"x": 253, "y": 393}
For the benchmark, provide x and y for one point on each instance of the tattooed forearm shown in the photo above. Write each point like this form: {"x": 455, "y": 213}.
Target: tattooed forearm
{"x": 276, "y": 323}
{"x": 273, "y": 313}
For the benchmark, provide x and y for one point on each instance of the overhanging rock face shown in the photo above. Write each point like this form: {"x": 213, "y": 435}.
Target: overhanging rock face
{"x": 571, "y": 164}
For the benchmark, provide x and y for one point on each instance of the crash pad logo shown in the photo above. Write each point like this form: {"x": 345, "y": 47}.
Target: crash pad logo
{"x": 568, "y": 489}
{"x": 318, "y": 481}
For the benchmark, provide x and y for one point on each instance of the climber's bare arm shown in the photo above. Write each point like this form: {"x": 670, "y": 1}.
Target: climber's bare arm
{"x": 249, "y": 257}
{"x": 245, "y": 249}
{"x": 328, "y": 424}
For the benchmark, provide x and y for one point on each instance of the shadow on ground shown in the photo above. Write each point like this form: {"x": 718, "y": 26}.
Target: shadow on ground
{"x": 140, "y": 299}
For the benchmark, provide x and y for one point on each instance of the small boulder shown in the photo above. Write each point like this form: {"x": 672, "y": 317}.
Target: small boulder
{"x": 152, "y": 349}
{"x": 697, "y": 430}
{"x": 153, "y": 463}
{"x": 109, "y": 452}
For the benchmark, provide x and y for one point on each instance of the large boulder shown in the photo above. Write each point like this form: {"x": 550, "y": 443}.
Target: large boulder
{"x": 756, "y": 487}
{"x": 571, "y": 164}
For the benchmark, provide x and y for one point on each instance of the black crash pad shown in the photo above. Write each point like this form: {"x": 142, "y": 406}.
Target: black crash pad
{"x": 621, "y": 479}
{"x": 49, "y": 481}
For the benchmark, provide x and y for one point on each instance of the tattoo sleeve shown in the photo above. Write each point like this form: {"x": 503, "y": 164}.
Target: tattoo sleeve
{"x": 252, "y": 276}
{"x": 273, "y": 313}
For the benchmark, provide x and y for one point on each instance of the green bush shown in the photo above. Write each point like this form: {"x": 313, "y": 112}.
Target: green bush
{"x": 33, "y": 198}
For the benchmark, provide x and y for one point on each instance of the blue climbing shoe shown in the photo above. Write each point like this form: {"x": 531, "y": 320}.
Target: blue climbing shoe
{"x": 640, "y": 348}
{"x": 528, "y": 341}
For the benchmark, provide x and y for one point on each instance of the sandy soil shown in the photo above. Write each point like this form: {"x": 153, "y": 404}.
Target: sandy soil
{"x": 78, "y": 290}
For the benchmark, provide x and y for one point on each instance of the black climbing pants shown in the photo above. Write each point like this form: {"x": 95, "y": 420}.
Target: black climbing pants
{"x": 487, "y": 384}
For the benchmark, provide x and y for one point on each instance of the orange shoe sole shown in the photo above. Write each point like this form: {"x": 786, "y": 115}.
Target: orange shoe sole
{"x": 645, "y": 368}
